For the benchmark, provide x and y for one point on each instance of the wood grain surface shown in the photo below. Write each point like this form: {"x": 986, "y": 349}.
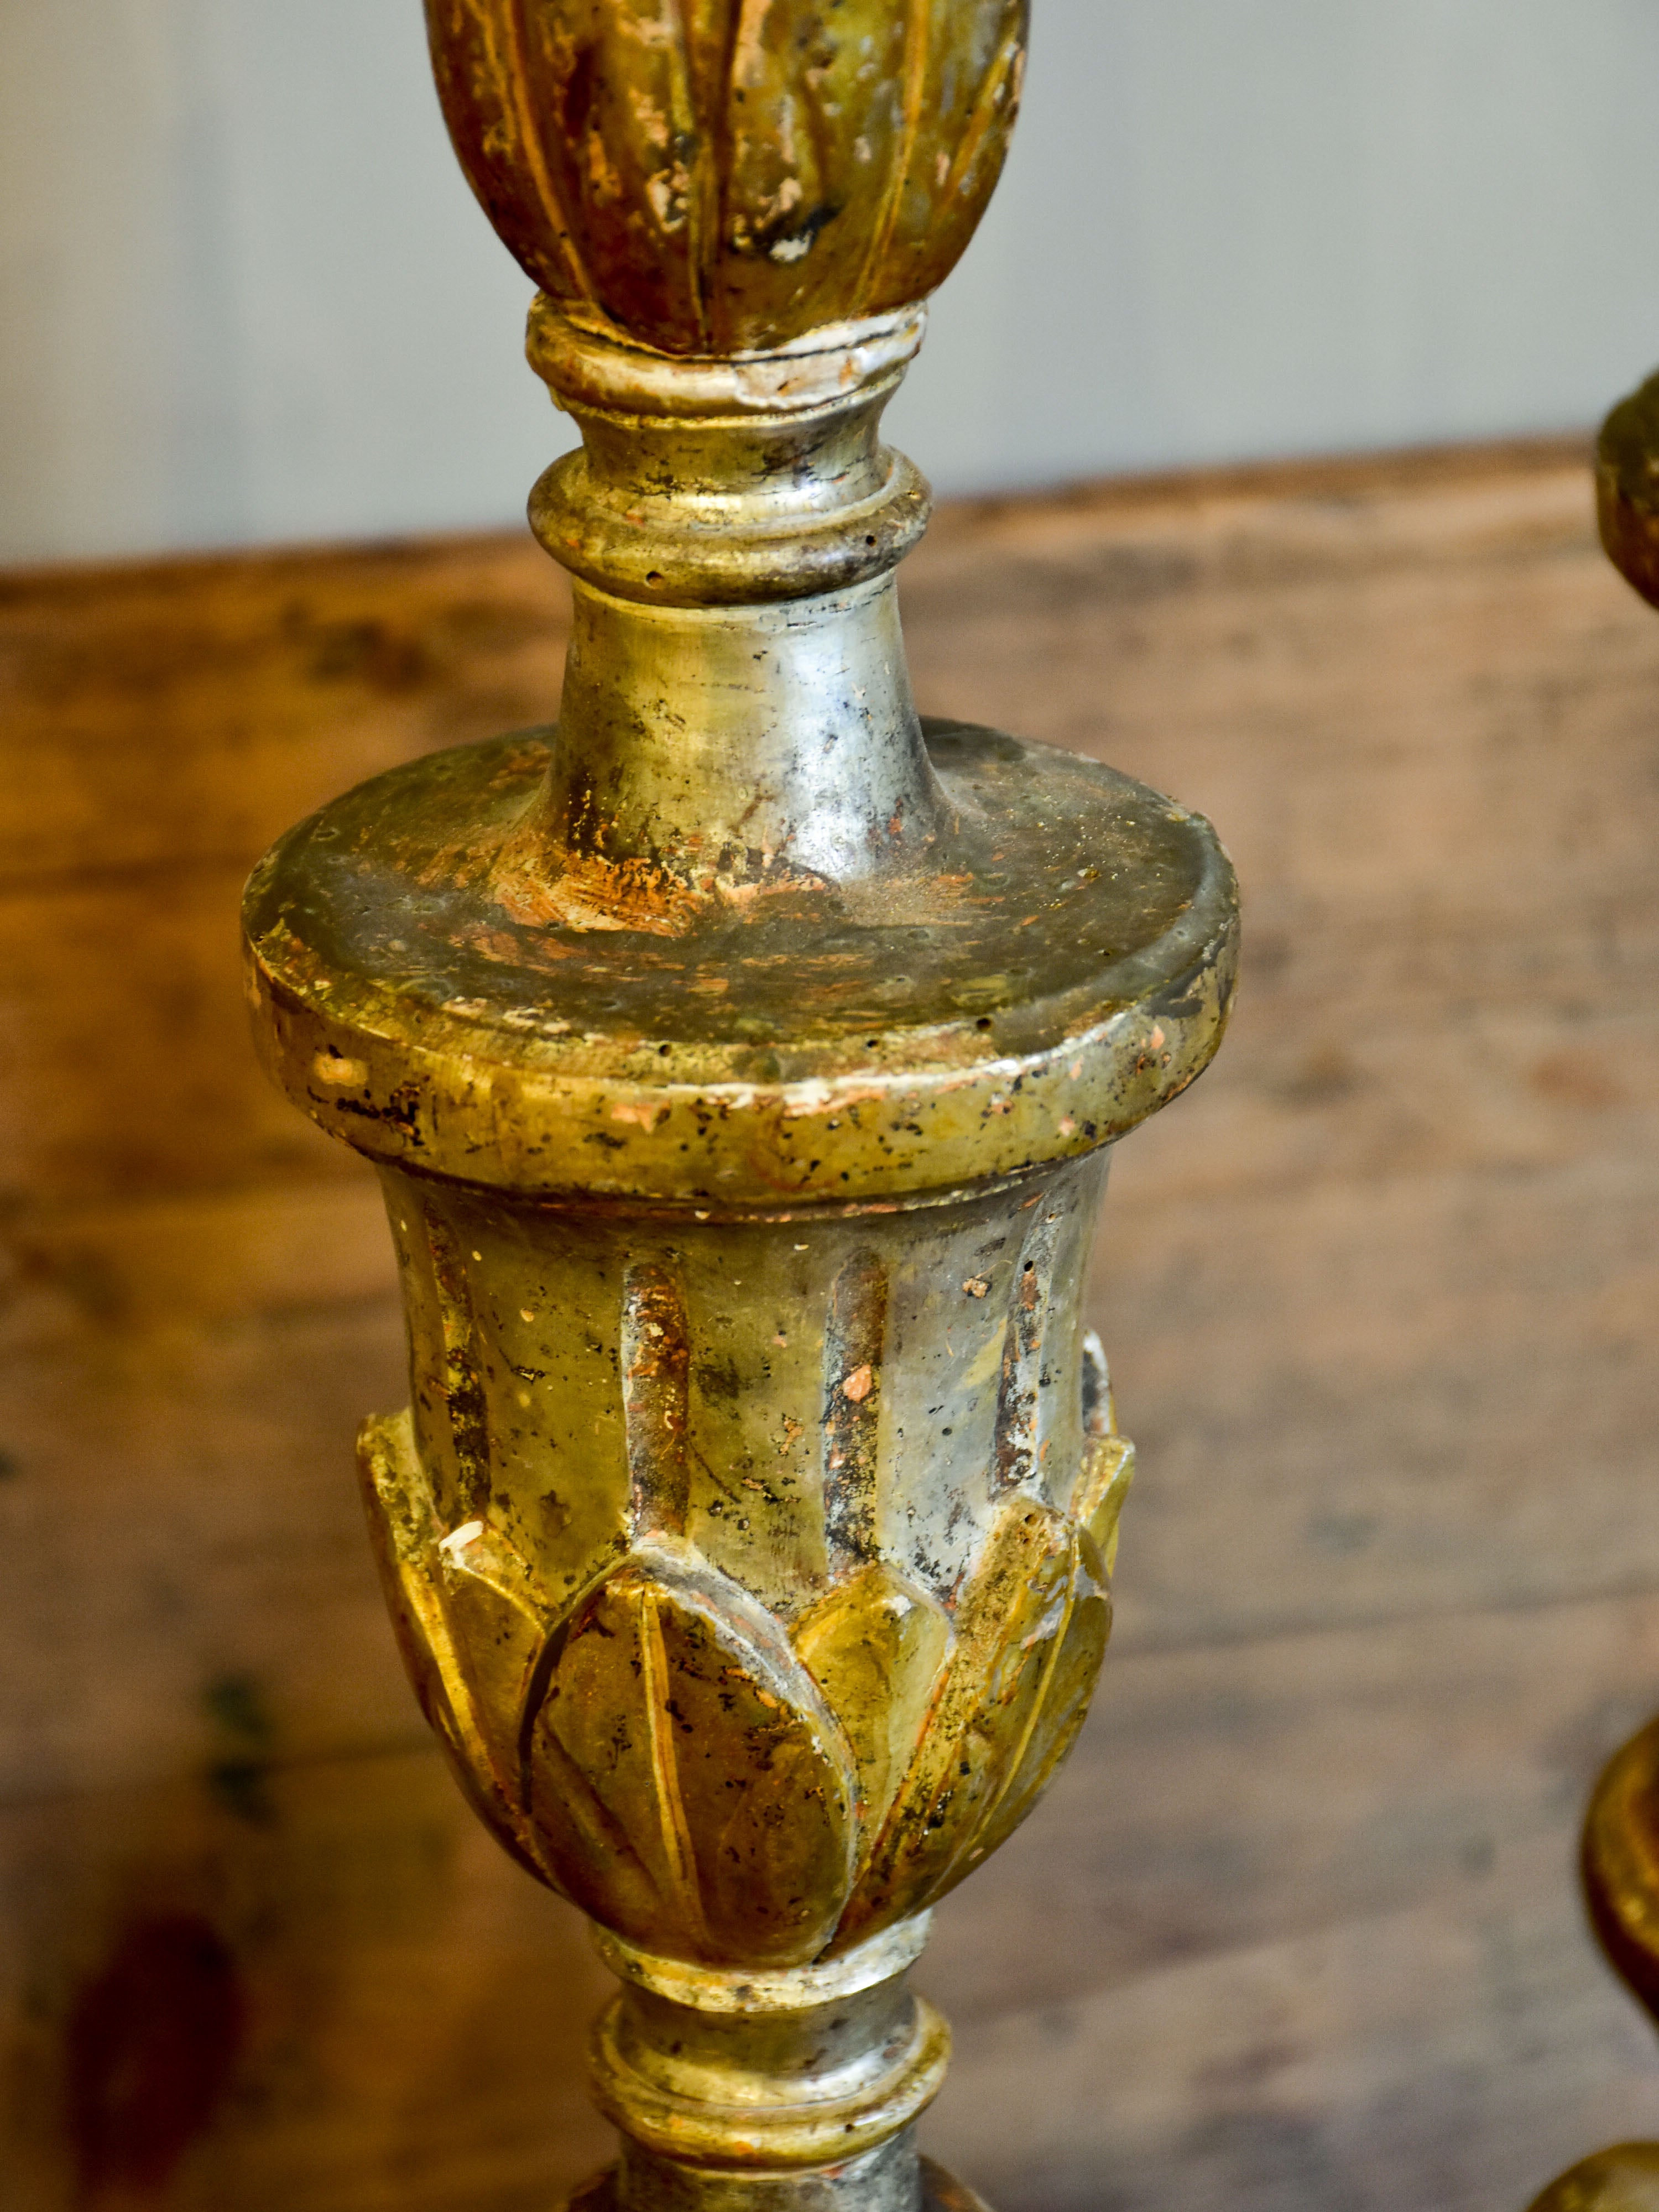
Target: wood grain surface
{"x": 1298, "y": 1926}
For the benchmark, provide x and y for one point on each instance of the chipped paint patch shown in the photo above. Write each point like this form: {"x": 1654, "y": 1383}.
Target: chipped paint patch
{"x": 339, "y": 1073}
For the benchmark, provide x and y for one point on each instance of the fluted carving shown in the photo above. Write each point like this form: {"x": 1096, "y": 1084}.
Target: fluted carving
{"x": 741, "y": 1057}
{"x": 717, "y": 176}
{"x": 743, "y": 1751}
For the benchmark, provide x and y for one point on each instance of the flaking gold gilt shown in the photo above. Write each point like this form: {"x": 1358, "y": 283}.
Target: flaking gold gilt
{"x": 741, "y": 1055}
{"x": 718, "y": 176}
{"x": 726, "y": 1670}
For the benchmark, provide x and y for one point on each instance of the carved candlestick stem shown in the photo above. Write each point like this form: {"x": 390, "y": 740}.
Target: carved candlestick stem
{"x": 741, "y": 1057}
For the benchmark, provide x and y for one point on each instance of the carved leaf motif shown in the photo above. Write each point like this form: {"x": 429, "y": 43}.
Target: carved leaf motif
{"x": 405, "y": 1539}
{"x": 656, "y": 1748}
{"x": 1056, "y": 1712}
{"x": 1031, "y": 1633}
{"x": 659, "y": 1754}
{"x": 1108, "y": 1470}
{"x": 876, "y": 1646}
{"x": 1109, "y": 1460}
{"x": 499, "y": 1623}
{"x": 678, "y": 1707}
{"x": 714, "y": 175}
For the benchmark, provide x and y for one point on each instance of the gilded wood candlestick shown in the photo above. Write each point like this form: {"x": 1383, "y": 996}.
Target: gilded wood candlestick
{"x": 1620, "y": 1860}
{"x": 740, "y": 1056}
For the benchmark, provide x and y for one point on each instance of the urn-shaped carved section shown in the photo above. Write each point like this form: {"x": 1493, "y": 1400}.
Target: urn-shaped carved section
{"x": 753, "y": 1572}
{"x": 716, "y": 176}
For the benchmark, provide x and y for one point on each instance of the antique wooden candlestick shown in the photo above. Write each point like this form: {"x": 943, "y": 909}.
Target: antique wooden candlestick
{"x": 741, "y": 1057}
{"x": 1620, "y": 1859}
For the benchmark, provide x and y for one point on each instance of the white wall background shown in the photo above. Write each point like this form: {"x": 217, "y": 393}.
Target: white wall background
{"x": 244, "y": 295}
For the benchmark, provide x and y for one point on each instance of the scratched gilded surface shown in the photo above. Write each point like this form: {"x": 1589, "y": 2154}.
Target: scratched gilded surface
{"x": 754, "y": 1574}
{"x": 713, "y": 176}
{"x": 740, "y": 1056}
{"x": 749, "y": 1532}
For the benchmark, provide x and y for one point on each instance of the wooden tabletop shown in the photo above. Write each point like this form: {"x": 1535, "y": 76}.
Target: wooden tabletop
{"x": 1298, "y": 1926}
